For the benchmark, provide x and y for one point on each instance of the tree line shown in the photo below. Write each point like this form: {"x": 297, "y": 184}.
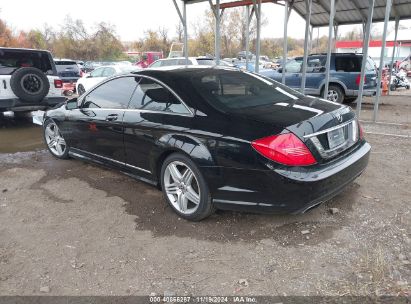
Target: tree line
{"x": 71, "y": 40}
{"x": 74, "y": 40}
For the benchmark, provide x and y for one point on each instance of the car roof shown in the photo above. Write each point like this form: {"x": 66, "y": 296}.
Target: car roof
{"x": 67, "y": 60}
{"x": 182, "y": 69}
{"x": 198, "y": 57}
{"x": 107, "y": 66}
{"x": 23, "y": 49}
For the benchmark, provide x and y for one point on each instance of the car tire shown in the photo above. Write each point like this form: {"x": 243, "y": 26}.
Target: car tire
{"x": 335, "y": 94}
{"x": 185, "y": 191}
{"x": 80, "y": 90}
{"x": 55, "y": 142}
{"x": 393, "y": 87}
{"x": 30, "y": 84}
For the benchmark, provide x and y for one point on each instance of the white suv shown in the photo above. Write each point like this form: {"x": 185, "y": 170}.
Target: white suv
{"x": 28, "y": 80}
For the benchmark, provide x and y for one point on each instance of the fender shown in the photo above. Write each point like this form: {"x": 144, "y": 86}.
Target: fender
{"x": 194, "y": 148}
{"x": 333, "y": 80}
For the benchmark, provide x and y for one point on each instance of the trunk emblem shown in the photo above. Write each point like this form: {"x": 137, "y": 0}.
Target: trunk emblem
{"x": 339, "y": 117}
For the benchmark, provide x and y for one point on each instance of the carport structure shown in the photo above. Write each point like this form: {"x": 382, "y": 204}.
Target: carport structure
{"x": 317, "y": 13}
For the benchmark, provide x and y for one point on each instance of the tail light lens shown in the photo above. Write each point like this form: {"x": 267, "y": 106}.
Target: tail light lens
{"x": 286, "y": 149}
{"x": 360, "y": 131}
{"x": 358, "y": 79}
{"x": 58, "y": 83}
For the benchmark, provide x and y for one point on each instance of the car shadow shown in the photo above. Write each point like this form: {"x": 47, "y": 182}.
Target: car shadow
{"x": 151, "y": 213}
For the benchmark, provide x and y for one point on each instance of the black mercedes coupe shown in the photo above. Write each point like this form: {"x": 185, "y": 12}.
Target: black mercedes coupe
{"x": 213, "y": 137}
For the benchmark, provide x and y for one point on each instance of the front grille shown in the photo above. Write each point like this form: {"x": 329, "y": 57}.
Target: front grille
{"x": 321, "y": 140}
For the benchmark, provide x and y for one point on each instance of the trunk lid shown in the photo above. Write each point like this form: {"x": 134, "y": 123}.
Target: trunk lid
{"x": 327, "y": 128}
{"x": 310, "y": 114}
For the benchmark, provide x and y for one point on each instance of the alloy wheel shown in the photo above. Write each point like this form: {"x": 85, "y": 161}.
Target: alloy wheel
{"x": 181, "y": 187}
{"x": 332, "y": 95}
{"x": 54, "y": 140}
{"x": 31, "y": 83}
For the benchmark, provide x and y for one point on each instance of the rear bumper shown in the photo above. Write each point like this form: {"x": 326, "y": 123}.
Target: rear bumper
{"x": 69, "y": 79}
{"x": 366, "y": 92}
{"x": 15, "y": 104}
{"x": 293, "y": 190}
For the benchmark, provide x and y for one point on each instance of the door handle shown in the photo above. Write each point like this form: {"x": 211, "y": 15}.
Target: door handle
{"x": 111, "y": 117}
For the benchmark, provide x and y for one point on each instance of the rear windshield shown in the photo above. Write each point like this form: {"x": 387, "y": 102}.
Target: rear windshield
{"x": 65, "y": 62}
{"x": 348, "y": 63}
{"x": 11, "y": 60}
{"x": 234, "y": 91}
{"x": 65, "y": 65}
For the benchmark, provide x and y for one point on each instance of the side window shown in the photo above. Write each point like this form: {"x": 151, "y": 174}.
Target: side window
{"x": 316, "y": 65}
{"x": 114, "y": 94}
{"x": 348, "y": 64}
{"x": 10, "y": 60}
{"x": 155, "y": 64}
{"x": 97, "y": 72}
{"x": 184, "y": 62}
{"x": 370, "y": 65}
{"x": 169, "y": 62}
{"x": 150, "y": 95}
{"x": 108, "y": 72}
{"x": 294, "y": 66}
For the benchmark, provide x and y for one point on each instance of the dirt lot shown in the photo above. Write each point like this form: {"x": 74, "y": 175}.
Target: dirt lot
{"x": 71, "y": 228}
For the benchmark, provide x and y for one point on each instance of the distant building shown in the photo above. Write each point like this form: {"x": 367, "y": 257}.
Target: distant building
{"x": 402, "y": 50}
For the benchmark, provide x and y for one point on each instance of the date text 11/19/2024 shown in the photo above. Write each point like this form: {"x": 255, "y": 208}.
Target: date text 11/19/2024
{"x": 202, "y": 299}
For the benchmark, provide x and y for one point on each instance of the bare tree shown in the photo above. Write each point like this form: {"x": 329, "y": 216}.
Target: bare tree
{"x": 163, "y": 32}
{"x": 179, "y": 32}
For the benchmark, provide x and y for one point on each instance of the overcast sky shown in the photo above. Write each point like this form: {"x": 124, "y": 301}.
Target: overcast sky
{"x": 132, "y": 17}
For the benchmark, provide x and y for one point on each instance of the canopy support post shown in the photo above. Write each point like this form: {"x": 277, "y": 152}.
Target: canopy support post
{"x": 365, "y": 54}
{"x": 310, "y": 45}
{"x": 247, "y": 36}
{"x": 383, "y": 48}
{"x": 185, "y": 31}
{"x": 285, "y": 46}
{"x": 397, "y": 23}
{"x": 257, "y": 9}
{"x": 335, "y": 37}
{"x": 306, "y": 43}
{"x": 183, "y": 19}
{"x": 217, "y": 32}
{"x": 330, "y": 40}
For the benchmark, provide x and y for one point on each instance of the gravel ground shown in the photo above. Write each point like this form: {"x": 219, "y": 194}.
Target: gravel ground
{"x": 72, "y": 228}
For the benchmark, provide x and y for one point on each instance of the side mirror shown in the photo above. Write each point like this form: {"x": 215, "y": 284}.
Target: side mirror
{"x": 71, "y": 104}
{"x": 280, "y": 70}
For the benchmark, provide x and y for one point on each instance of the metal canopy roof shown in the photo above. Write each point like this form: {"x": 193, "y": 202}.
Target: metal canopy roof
{"x": 347, "y": 11}
{"x": 352, "y": 11}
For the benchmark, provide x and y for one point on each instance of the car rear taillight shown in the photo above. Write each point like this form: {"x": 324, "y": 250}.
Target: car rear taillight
{"x": 58, "y": 83}
{"x": 360, "y": 131}
{"x": 358, "y": 79}
{"x": 286, "y": 149}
